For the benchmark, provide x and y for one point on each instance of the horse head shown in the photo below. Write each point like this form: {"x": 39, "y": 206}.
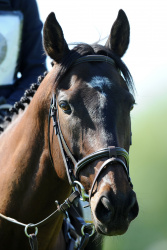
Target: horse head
{"x": 94, "y": 96}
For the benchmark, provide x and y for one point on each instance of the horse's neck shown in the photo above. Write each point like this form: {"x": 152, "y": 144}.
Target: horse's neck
{"x": 21, "y": 149}
{"x": 29, "y": 183}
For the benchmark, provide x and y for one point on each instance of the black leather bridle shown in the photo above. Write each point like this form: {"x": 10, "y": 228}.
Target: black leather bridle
{"x": 73, "y": 167}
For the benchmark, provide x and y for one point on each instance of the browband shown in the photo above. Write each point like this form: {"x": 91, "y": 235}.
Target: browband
{"x": 94, "y": 58}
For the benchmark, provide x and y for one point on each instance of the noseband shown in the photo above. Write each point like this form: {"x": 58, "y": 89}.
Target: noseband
{"x": 73, "y": 167}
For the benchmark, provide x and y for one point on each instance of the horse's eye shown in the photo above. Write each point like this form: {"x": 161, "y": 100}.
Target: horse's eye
{"x": 65, "y": 107}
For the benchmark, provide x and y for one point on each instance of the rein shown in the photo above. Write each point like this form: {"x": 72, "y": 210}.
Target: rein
{"x": 64, "y": 208}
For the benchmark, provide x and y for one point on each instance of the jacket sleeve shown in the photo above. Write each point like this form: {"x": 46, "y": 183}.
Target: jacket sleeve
{"x": 32, "y": 57}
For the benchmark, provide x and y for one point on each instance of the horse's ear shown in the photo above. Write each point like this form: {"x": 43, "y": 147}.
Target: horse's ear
{"x": 118, "y": 40}
{"x": 53, "y": 39}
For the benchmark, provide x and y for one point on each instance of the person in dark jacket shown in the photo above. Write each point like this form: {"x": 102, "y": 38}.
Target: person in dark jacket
{"x": 31, "y": 57}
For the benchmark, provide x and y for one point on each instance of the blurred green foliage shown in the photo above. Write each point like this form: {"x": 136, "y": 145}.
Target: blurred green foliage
{"x": 148, "y": 168}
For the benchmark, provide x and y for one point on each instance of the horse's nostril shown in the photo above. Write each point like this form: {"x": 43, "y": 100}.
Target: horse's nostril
{"x": 121, "y": 209}
{"x": 104, "y": 210}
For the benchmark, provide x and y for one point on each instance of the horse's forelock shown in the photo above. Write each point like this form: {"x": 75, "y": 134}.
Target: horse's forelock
{"x": 83, "y": 49}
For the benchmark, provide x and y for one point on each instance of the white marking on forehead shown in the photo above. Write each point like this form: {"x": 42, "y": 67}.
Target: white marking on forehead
{"x": 100, "y": 82}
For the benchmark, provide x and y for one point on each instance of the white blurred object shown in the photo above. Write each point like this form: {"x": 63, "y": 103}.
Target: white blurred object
{"x": 10, "y": 38}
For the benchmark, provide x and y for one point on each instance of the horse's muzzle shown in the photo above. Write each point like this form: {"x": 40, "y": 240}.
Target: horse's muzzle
{"x": 113, "y": 213}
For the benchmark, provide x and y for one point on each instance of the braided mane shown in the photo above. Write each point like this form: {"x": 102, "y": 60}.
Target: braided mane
{"x": 20, "y": 105}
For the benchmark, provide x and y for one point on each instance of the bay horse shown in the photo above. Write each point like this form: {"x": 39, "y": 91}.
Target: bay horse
{"x": 74, "y": 135}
